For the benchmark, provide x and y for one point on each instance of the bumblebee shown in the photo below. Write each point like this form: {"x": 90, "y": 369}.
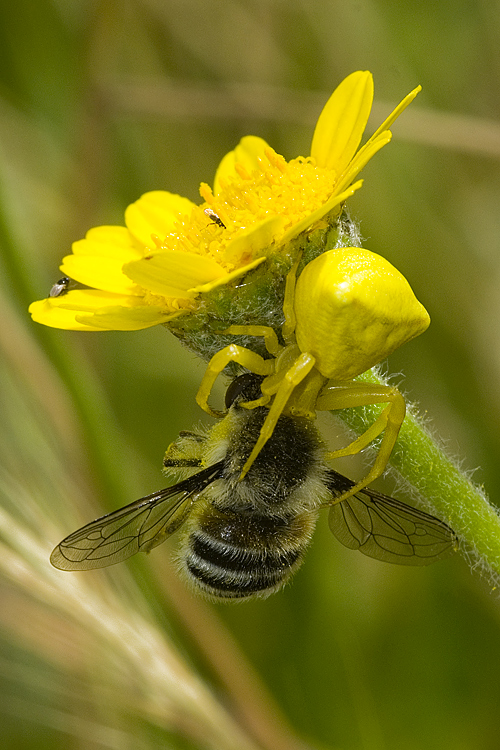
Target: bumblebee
{"x": 246, "y": 537}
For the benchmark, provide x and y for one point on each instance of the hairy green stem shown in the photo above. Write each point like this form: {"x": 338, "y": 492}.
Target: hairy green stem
{"x": 420, "y": 460}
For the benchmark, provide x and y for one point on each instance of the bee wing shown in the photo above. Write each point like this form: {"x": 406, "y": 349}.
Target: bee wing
{"x": 387, "y": 529}
{"x": 141, "y": 525}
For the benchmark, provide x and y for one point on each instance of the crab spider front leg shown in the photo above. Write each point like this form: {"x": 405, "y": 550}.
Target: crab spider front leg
{"x": 348, "y": 395}
{"x": 266, "y": 332}
{"x": 232, "y": 353}
{"x": 291, "y": 379}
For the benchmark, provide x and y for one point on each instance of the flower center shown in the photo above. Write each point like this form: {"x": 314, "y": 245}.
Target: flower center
{"x": 291, "y": 190}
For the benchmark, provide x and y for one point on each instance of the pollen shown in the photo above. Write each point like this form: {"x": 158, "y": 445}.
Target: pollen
{"x": 292, "y": 190}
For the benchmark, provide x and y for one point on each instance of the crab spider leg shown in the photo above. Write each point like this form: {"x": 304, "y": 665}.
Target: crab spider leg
{"x": 347, "y": 395}
{"x": 232, "y": 353}
{"x": 273, "y": 347}
{"x": 288, "y": 327}
{"x": 248, "y": 359}
{"x": 295, "y": 375}
{"x": 266, "y": 332}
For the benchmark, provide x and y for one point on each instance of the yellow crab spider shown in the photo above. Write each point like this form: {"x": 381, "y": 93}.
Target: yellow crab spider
{"x": 347, "y": 311}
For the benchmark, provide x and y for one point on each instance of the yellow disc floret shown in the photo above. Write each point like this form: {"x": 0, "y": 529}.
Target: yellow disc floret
{"x": 292, "y": 190}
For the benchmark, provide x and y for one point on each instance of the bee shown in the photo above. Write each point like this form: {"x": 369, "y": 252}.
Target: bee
{"x": 244, "y": 538}
{"x": 214, "y": 217}
{"x": 60, "y": 287}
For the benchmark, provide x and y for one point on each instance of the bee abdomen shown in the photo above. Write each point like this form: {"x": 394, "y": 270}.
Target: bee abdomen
{"x": 233, "y": 556}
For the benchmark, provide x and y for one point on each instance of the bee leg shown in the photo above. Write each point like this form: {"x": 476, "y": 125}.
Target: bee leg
{"x": 232, "y": 353}
{"x": 185, "y": 452}
{"x": 348, "y": 395}
{"x": 291, "y": 378}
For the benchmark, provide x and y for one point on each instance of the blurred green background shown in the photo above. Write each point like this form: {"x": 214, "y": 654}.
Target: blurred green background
{"x": 103, "y": 101}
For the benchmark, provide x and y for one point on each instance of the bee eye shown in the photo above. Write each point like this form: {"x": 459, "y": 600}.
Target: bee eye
{"x": 247, "y": 386}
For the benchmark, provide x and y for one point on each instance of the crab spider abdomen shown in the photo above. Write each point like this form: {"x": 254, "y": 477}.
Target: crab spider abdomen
{"x": 353, "y": 308}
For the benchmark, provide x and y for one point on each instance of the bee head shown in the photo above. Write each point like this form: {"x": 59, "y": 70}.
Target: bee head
{"x": 243, "y": 388}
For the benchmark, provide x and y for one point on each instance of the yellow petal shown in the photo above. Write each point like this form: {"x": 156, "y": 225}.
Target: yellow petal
{"x": 396, "y": 112}
{"x": 60, "y": 312}
{"x": 90, "y": 300}
{"x": 336, "y": 200}
{"x": 43, "y": 312}
{"x": 248, "y": 153}
{"x": 98, "y": 272}
{"x": 173, "y": 272}
{"x": 362, "y": 158}
{"x": 108, "y": 242}
{"x": 342, "y": 122}
{"x": 203, "y": 288}
{"x": 380, "y": 138}
{"x": 251, "y": 241}
{"x": 156, "y": 213}
{"x": 127, "y": 318}
{"x": 93, "y": 310}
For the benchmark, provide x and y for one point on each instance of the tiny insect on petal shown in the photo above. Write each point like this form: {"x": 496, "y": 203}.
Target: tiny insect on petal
{"x": 60, "y": 287}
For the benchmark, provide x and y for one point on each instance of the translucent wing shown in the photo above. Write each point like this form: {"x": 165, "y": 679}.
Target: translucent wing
{"x": 141, "y": 525}
{"x": 387, "y": 529}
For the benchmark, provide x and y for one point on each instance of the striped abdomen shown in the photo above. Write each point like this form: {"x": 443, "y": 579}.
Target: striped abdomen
{"x": 232, "y": 555}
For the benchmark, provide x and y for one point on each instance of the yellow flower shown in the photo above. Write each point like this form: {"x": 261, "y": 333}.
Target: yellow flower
{"x": 172, "y": 252}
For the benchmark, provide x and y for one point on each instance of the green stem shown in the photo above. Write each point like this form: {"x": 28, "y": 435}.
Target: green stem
{"x": 420, "y": 460}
